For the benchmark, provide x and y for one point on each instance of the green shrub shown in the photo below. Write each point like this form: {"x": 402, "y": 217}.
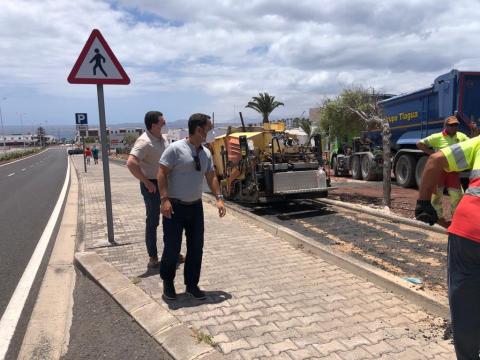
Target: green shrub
{"x": 17, "y": 154}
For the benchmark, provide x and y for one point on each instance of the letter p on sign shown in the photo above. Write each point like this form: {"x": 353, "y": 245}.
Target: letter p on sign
{"x": 81, "y": 119}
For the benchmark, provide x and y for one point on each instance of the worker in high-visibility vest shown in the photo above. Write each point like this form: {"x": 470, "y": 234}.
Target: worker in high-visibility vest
{"x": 463, "y": 241}
{"x": 451, "y": 181}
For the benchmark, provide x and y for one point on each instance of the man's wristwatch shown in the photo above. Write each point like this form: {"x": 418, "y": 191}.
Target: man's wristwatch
{"x": 219, "y": 197}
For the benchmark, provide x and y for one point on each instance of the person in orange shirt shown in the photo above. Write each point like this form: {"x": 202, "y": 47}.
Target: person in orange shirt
{"x": 449, "y": 180}
{"x": 88, "y": 155}
{"x": 463, "y": 241}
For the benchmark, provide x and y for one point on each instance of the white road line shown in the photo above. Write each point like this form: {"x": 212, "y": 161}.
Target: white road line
{"x": 10, "y": 318}
{"x": 24, "y": 169}
{"x": 11, "y": 174}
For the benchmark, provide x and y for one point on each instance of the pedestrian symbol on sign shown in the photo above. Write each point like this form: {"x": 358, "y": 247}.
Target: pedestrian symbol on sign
{"x": 97, "y": 64}
{"x": 98, "y": 58}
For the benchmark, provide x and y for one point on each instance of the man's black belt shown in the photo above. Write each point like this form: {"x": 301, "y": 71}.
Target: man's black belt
{"x": 181, "y": 202}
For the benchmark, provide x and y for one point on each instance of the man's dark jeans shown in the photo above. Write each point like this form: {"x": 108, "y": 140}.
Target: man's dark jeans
{"x": 190, "y": 218}
{"x": 464, "y": 295}
{"x": 152, "y": 207}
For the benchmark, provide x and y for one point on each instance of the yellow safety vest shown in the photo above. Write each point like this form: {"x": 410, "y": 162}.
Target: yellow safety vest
{"x": 441, "y": 140}
{"x": 466, "y": 156}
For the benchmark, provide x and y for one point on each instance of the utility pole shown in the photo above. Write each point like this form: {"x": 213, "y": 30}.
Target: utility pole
{"x": 20, "y": 117}
{"x": 1, "y": 121}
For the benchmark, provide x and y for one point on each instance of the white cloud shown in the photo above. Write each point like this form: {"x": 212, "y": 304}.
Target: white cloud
{"x": 217, "y": 54}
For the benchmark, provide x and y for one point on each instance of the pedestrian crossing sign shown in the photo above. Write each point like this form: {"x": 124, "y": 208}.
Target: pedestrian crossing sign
{"x": 97, "y": 64}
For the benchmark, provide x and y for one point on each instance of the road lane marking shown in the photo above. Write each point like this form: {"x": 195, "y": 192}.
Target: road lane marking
{"x": 24, "y": 169}
{"x": 9, "y": 320}
{"x": 11, "y": 174}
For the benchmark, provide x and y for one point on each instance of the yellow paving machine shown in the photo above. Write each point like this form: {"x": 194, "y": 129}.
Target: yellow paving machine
{"x": 264, "y": 164}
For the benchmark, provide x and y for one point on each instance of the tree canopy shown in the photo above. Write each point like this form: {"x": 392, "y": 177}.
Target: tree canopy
{"x": 264, "y": 104}
{"x": 346, "y": 115}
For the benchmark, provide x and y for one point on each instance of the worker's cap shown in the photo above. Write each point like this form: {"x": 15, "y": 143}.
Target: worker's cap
{"x": 451, "y": 120}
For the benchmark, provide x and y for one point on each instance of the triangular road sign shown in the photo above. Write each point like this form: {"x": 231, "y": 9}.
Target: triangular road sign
{"x": 97, "y": 64}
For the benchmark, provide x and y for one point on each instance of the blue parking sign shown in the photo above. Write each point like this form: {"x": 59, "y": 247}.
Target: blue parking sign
{"x": 81, "y": 119}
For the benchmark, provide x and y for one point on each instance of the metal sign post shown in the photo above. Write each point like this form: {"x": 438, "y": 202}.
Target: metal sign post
{"x": 84, "y": 157}
{"x": 106, "y": 169}
{"x": 98, "y": 65}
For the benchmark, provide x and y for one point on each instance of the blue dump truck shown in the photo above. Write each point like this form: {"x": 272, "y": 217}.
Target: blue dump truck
{"x": 412, "y": 117}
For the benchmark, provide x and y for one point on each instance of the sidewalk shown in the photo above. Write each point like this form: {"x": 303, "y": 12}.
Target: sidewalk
{"x": 265, "y": 297}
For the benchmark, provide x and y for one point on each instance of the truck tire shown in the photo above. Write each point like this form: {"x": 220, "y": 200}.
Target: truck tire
{"x": 335, "y": 166}
{"x": 405, "y": 170}
{"x": 367, "y": 166}
{"x": 356, "y": 168}
{"x": 419, "y": 169}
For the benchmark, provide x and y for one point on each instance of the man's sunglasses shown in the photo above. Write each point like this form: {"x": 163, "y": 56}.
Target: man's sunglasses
{"x": 198, "y": 166}
{"x": 452, "y": 125}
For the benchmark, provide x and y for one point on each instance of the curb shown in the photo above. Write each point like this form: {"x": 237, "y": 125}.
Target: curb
{"x": 395, "y": 218}
{"x": 176, "y": 338}
{"x": 360, "y": 268}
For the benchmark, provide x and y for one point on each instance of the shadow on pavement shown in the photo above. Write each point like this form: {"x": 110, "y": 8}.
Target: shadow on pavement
{"x": 148, "y": 273}
{"x": 184, "y": 300}
{"x": 293, "y": 210}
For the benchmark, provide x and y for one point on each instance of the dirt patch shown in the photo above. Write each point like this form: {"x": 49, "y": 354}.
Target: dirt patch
{"x": 119, "y": 156}
{"x": 370, "y": 193}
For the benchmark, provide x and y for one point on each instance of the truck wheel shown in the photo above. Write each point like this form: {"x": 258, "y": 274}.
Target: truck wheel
{"x": 367, "y": 166}
{"x": 335, "y": 167}
{"x": 405, "y": 170}
{"x": 356, "y": 168}
{"x": 419, "y": 169}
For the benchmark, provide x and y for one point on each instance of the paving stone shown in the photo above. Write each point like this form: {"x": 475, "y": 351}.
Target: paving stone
{"x": 228, "y": 347}
{"x": 285, "y": 345}
{"x": 354, "y": 342}
{"x": 355, "y": 354}
{"x": 380, "y": 348}
{"x": 330, "y": 347}
{"x": 255, "y": 353}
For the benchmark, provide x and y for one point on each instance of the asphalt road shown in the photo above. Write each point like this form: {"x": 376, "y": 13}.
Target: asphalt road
{"x": 29, "y": 190}
{"x": 102, "y": 330}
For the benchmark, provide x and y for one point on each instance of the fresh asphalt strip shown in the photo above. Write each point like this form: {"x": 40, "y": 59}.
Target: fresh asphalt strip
{"x": 9, "y": 320}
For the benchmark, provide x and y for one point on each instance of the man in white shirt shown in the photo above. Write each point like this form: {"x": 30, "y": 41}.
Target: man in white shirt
{"x": 143, "y": 163}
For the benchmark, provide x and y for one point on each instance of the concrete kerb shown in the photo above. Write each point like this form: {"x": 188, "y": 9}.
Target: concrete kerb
{"x": 375, "y": 212}
{"x": 357, "y": 267}
{"x": 176, "y": 338}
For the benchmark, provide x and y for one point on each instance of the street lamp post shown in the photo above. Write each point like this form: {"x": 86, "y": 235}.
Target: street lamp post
{"x": 20, "y": 115}
{"x": 1, "y": 122}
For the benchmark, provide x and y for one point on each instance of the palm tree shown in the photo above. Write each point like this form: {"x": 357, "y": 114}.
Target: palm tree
{"x": 264, "y": 104}
{"x": 306, "y": 126}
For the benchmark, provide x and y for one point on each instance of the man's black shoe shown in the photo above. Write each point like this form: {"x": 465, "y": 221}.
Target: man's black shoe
{"x": 169, "y": 290}
{"x": 196, "y": 292}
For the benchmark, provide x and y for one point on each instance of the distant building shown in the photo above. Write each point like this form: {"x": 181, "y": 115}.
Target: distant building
{"x": 314, "y": 114}
{"x": 27, "y": 140}
{"x": 95, "y": 133}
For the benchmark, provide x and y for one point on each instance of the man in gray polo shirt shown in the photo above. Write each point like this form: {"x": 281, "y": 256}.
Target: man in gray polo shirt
{"x": 183, "y": 166}
{"x": 143, "y": 164}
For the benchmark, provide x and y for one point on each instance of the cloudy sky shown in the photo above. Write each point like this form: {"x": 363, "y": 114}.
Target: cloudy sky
{"x": 186, "y": 56}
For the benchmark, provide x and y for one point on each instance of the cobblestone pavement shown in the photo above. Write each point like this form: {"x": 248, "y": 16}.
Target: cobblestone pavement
{"x": 402, "y": 250}
{"x": 266, "y": 299}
